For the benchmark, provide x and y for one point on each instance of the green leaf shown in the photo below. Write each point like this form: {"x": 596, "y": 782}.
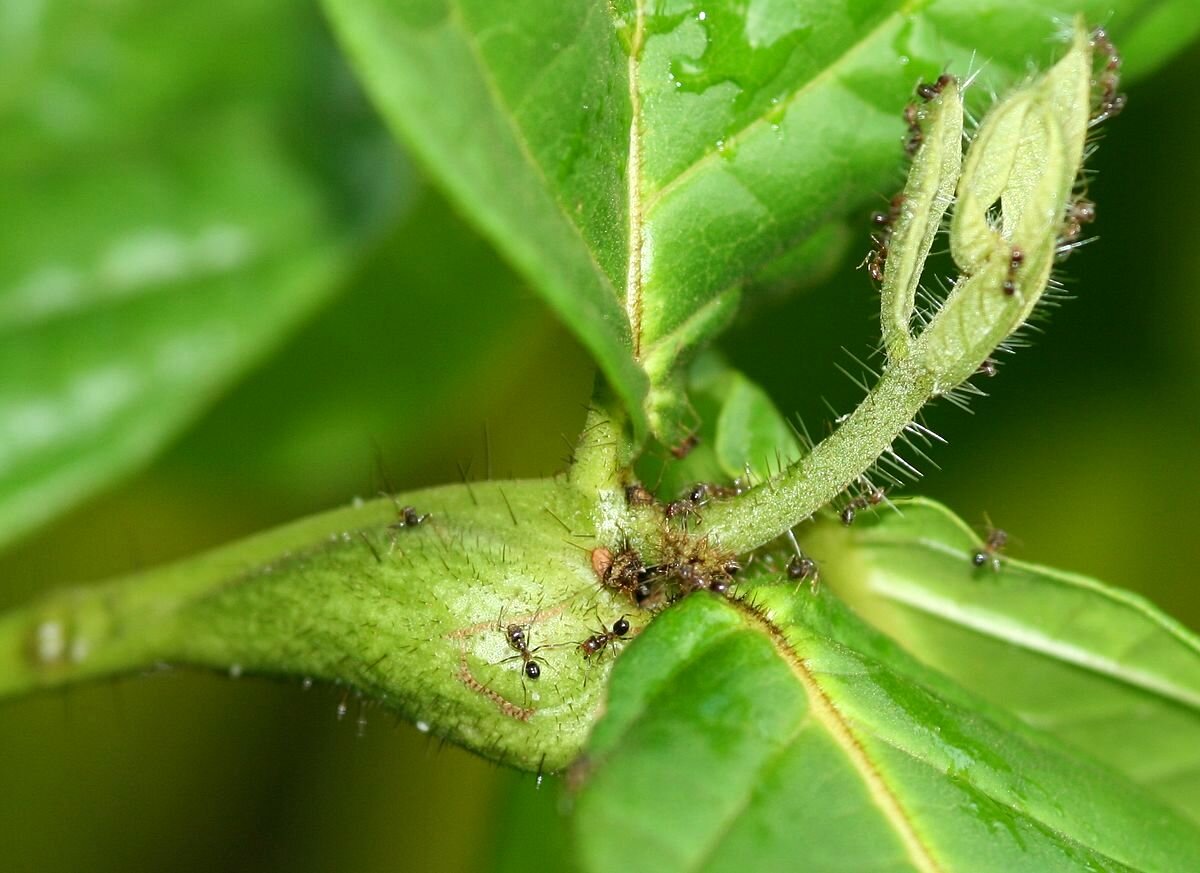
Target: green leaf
{"x": 1098, "y": 667}
{"x": 641, "y": 162}
{"x": 730, "y": 744}
{"x": 523, "y": 114}
{"x": 168, "y": 217}
{"x": 742, "y": 435}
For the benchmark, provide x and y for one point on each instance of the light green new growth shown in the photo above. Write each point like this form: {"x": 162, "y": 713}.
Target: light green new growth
{"x": 1023, "y": 163}
{"x": 926, "y": 197}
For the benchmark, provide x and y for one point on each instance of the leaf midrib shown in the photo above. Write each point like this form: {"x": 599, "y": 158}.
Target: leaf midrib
{"x": 633, "y": 174}
{"x": 838, "y": 728}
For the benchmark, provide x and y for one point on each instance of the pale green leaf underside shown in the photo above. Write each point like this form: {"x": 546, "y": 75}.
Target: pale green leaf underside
{"x": 726, "y": 747}
{"x": 1098, "y": 667}
{"x": 640, "y": 161}
{"x": 164, "y": 223}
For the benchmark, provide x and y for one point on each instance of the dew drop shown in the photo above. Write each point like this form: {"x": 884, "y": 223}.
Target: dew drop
{"x": 235, "y": 671}
{"x": 306, "y": 683}
{"x": 51, "y": 641}
{"x": 423, "y": 727}
{"x": 701, "y": 16}
{"x": 904, "y": 59}
{"x": 341, "y": 710}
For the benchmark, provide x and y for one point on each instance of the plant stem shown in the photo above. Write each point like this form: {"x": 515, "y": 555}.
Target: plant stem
{"x": 409, "y": 615}
{"x": 779, "y": 504}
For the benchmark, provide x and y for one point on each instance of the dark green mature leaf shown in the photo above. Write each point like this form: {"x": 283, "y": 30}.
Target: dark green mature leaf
{"x": 640, "y": 162}
{"x": 522, "y": 110}
{"x": 1098, "y": 667}
{"x": 168, "y": 215}
{"x": 729, "y": 745}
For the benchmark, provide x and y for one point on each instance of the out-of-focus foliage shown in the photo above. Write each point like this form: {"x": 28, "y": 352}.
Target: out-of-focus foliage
{"x": 169, "y": 214}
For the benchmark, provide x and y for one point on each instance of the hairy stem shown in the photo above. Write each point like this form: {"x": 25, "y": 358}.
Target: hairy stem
{"x": 773, "y": 507}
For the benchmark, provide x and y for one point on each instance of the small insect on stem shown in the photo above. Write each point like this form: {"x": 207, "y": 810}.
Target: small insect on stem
{"x": 1079, "y": 213}
{"x": 684, "y": 508}
{"x": 989, "y": 553}
{"x": 597, "y": 643}
{"x": 408, "y": 517}
{"x": 1014, "y": 263}
{"x": 638, "y": 495}
{"x": 684, "y": 448}
{"x": 518, "y": 640}
{"x": 801, "y": 567}
{"x": 873, "y": 497}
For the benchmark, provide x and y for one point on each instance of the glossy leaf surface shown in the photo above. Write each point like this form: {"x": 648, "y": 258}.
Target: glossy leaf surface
{"x": 168, "y": 215}
{"x": 1098, "y": 667}
{"x": 729, "y": 745}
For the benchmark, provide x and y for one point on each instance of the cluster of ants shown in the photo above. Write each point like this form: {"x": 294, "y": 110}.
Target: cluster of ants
{"x": 518, "y": 637}
{"x": 1081, "y": 212}
{"x": 688, "y": 565}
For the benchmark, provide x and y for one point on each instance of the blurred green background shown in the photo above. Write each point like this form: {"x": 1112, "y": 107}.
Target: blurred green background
{"x": 1084, "y": 454}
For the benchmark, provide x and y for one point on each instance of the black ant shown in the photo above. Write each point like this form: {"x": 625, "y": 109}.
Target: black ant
{"x": 518, "y": 641}
{"x": 874, "y": 497}
{"x": 701, "y": 492}
{"x": 408, "y": 518}
{"x": 684, "y": 508}
{"x": 693, "y": 578}
{"x": 928, "y": 90}
{"x": 597, "y": 643}
{"x": 802, "y": 567}
{"x": 996, "y": 540}
{"x": 885, "y": 220}
{"x": 876, "y": 259}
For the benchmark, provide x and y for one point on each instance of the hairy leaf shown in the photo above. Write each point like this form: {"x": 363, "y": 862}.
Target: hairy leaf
{"x": 1098, "y": 667}
{"x": 731, "y": 743}
{"x": 166, "y": 219}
